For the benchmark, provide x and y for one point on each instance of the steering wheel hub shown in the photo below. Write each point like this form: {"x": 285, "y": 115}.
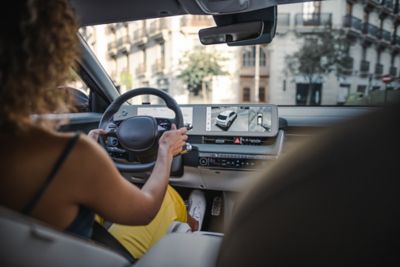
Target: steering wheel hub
{"x": 138, "y": 133}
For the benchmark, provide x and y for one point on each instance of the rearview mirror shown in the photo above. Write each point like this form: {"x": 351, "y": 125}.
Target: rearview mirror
{"x": 231, "y": 33}
{"x": 250, "y": 28}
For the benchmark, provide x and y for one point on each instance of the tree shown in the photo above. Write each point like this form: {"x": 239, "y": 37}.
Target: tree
{"x": 321, "y": 53}
{"x": 126, "y": 79}
{"x": 200, "y": 65}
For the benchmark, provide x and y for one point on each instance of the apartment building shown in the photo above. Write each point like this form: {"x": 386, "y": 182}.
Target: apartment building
{"x": 150, "y": 53}
{"x": 371, "y": 26}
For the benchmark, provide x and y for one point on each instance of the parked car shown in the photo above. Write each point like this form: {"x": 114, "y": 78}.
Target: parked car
{"x": 259, "y": 119}
{"x": 226, "y": 118}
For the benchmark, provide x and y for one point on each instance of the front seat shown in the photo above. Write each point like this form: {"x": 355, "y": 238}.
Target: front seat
{"x": 26, "y": 242}
{"x": 333, "y": 202}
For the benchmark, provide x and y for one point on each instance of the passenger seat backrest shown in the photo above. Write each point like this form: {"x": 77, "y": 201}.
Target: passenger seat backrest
{"x": 333, "y": 202}
{"x": 25, "y": 242}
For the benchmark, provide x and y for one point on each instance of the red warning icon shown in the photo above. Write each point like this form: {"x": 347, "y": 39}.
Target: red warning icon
{"x": 237, "y": 140}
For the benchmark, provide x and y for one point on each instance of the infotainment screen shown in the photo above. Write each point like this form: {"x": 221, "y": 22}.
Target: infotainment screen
{"x": 239, "y": 119}
{"x": 242, "y": 120}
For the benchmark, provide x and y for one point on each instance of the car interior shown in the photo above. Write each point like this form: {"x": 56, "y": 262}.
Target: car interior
{"x": 284, "y": 184}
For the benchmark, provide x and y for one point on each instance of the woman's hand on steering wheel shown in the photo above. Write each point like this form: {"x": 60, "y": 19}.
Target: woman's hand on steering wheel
{"x": 173, "y": 141}
{"x": 95, "y": 133}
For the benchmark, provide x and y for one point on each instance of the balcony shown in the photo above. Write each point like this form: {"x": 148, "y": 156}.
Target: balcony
{"x": 123, "y": 44}
{"x": 141, "y": 70}
{"x": 346, "y": 65}
{"x": 313, "y": 19}
{"x": 396, "y": 41}
{"x": 139, "y": 37}
{"x": 156, "y": 26}
{"x": 364, "y": 67}
{"x": 393, "y": 71}
{"x": 112, "y": 48}
{"x": 389, "y": 4}
{"x": 111, "y": 45}
{"x": 378, "y": 69}
{"x": 123, "y": 40}
{"x": 370, "y": 4}
{"x": 385, "y": 38}
{"x": 371, "y": 32}
{"x": 354, "y": 25}
{"x": 138, "y": 34}
{"x": 387, "y": 7}
{"x": 158, "y": 66}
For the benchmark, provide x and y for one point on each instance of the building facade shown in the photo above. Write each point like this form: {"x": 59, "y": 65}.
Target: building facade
{"x": 371, "y": 26}
{"x": 150, "y": 53}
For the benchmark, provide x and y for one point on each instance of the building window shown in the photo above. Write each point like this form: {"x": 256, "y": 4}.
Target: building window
{"x": 249, "y": 57}
{"x": 366, "y": 16}
{"x": 361, "y": 89}
{"x": 349, "y": 8}
{"x": 263, "y": 58}
{"x": 302, "y": 94}
{"x": 246, "y": 94}
{"x": 311, "y": 10}
{"x": 261, "y": 94}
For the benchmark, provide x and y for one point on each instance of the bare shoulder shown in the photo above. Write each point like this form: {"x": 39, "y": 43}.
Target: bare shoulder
{"x": 91, "y": 160}
{"x": 86, "y": 146}
{"x": 84, "y": 157}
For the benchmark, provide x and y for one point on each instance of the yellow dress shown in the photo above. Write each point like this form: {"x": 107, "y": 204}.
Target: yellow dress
{"x": 139, "y": 239}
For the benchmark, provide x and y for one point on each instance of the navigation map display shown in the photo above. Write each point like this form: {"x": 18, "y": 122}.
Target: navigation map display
{"x": 239, "y": 119}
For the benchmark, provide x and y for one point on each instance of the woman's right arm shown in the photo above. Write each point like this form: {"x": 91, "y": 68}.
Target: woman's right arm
{"x": 101, "y": 187}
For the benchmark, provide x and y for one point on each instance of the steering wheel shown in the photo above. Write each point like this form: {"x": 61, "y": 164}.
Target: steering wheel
{"x": 138, "y": 135}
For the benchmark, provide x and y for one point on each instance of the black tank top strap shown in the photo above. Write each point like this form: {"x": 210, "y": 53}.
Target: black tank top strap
{"x": 63, "y": 156}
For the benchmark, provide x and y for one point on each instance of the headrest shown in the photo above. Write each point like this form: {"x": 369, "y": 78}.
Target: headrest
{"x": 334, "y": 201}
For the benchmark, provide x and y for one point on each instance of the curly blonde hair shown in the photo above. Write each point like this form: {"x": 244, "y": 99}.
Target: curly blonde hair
{"x": 37, "y": 50}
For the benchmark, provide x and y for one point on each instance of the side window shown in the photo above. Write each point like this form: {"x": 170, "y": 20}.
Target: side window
{"x": 80, "y": 93}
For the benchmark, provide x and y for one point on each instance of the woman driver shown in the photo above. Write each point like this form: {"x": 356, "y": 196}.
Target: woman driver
{"x": 63, "y": 179}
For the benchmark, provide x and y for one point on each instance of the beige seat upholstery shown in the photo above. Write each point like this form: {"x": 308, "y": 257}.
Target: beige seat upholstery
{"x": 334, "y": 202}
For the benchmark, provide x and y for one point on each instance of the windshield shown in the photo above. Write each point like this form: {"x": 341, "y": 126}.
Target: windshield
{"x": 324, "y": 53}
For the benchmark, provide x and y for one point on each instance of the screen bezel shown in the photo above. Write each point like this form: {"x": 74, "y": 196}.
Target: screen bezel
{"x": 199, "y": 113}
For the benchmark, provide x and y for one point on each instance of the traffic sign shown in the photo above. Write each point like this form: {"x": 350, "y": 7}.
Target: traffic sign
{"x": 387, "y": 78}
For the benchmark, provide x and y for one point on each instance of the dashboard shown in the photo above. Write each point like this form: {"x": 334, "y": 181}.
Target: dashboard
{"x": 224, "y": 137}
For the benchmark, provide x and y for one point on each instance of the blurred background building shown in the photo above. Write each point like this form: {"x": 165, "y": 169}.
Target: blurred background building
{"x": 152, "y": 52}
